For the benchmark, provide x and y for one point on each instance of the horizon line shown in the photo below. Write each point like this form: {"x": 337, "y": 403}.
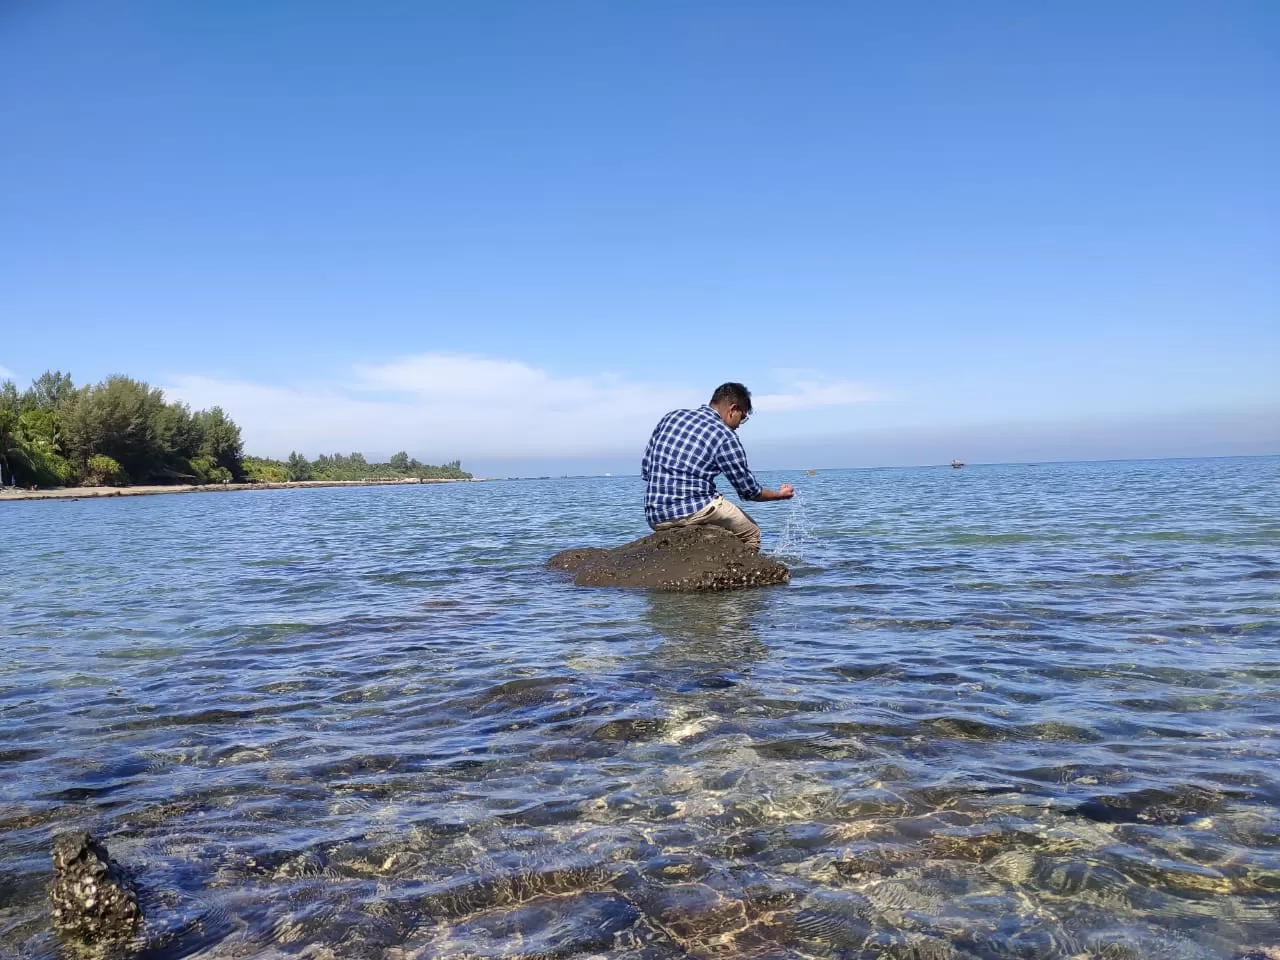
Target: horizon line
{"x": 917, "y": 466}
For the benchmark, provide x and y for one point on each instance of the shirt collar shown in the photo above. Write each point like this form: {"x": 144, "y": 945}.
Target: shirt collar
{"x": 707, "y": 408}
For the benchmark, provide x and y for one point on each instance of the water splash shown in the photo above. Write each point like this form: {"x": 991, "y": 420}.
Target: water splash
{"x": 796, "y": 536}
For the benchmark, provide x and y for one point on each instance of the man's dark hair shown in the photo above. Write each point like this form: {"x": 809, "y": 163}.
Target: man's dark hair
{"x": 735, "y": 393}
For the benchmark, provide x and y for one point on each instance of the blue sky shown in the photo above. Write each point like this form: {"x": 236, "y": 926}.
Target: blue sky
{"x": 517, "y": 233}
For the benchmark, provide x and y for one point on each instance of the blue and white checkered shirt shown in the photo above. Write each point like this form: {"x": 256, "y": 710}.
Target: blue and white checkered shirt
{"x": 688, "y": 448}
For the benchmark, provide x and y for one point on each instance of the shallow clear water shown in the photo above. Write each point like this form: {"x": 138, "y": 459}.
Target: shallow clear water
{"x": 1018, "y": 711}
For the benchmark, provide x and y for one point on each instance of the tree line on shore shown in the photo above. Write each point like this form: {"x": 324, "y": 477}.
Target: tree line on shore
{"x": 351, "y": 466}
{"x": 123, "y": 431}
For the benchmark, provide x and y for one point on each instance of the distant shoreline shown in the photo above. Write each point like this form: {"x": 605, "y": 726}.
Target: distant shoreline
{"x": 146, "y": 490}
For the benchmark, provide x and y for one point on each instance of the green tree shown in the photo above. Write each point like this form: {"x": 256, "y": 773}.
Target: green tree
{"x": 123, "y": 429}
{"x": 42, "y": 425}
{"x": 299, "y": 468}
{"x": 76, "y": 436}
{"x": 220, "y": 441}
{"x": 180, "y": 437}
{"x": 48, "y": 469}
{"x": 103, "y": 471}
{"x": 265, "y": 470}
{"x": 10, "y": 399}
{"x": 41, "y": 435}
{"x": 14, "y": 458}
{"x": 119, "y": 418}
{"x": 48, "y": 390}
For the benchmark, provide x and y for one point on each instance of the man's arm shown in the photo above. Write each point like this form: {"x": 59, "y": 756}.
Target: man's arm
{"x": 733, "y": 464}
{"x": 647, "y": 461}
{"x": 784, "y": 492}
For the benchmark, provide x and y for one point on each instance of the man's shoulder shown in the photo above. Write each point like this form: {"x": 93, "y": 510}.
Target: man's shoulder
{"x": 691, "y": 414}
{"x": 695, "y": 420}
{"x": 692, "y": 426}
{"x": 673, "y": 417}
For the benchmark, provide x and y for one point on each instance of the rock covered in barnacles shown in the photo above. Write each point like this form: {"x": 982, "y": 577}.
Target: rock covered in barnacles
{"x": 93, "y": 898}
{"x": 693, "y": 558}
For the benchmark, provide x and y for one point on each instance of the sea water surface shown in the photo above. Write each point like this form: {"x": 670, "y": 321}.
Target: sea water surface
{"x": 1005, "y": 711}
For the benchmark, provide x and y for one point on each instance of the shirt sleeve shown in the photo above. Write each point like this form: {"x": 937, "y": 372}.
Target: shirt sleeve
{"x": 647, "y": 462}
{"x": 732, "y": 461}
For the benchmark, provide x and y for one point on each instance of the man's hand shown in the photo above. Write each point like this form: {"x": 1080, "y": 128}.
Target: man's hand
{"x": 786, "y": 491}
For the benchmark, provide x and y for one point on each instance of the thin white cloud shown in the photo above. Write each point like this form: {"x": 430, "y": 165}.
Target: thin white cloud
{"x": 449, "y": 377}
{"x": 441, "y": 406}
{"x": 808, "y": 389}
{"x": 5, "y": 373}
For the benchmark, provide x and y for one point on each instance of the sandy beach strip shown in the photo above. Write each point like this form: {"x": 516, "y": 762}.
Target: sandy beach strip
{"x": 143, "y": 490}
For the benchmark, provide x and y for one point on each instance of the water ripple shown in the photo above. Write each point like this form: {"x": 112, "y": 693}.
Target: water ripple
{"x": 999, "y": 712}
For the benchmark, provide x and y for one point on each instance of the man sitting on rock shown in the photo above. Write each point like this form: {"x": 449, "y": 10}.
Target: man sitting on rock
{"x": 688, "y": 448}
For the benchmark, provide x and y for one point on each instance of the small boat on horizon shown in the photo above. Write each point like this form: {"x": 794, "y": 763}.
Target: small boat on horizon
{"x": 957, "y": 464}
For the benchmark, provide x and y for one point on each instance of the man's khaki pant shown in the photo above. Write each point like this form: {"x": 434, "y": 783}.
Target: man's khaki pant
{"x": 722, "y": 513}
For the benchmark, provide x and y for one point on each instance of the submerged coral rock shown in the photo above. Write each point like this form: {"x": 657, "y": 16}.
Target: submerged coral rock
{"x": 699, "y": 557}
{"x": 93, "y": 897}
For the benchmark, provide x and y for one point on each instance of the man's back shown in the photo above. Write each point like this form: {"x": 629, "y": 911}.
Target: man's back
{"x": 687, "y": 449}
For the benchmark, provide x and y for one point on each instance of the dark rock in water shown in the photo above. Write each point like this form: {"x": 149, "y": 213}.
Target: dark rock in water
{"x": 699, "y": 557}
{"x": 93, "y": 897}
